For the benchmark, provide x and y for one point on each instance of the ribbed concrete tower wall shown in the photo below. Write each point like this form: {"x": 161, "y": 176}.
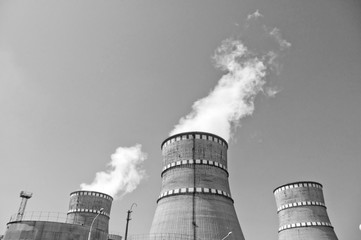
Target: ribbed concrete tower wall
{"x": 302, "y": 212}
{"x": 85, "y": 205}
{"x": 195, "y": 198}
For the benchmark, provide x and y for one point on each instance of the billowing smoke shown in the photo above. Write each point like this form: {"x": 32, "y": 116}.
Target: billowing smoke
{"x": 123, "y": 175}
{"x": 233, "y": 96}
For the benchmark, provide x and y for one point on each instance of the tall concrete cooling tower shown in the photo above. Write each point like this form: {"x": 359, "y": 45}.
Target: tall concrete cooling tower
{"x": 84, "y": 206}
{"x": 302, "y": 212}
{"x": 195, "y": 200}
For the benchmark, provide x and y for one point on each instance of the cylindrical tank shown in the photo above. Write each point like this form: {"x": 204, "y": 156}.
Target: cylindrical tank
{"x": 84, "y": 206}
{"x": 195, "y": 198}
{"x": 302, "y": 212}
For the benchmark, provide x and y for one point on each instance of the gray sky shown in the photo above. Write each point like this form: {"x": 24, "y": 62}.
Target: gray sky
{"x": 78, "y": 79}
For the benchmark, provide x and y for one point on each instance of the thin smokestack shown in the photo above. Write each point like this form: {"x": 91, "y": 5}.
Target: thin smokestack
{"x": 123, "y": 175}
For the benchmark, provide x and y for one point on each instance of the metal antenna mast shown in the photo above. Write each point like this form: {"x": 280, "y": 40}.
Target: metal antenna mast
{"x": 128, "y": 219}
{"x": 24, "y": 198}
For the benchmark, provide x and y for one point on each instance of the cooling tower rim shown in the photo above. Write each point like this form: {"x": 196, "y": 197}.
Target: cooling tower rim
{"x": 298, "y": 182}
{"x": 88, "y": 191}
{"x": 194, "y": 132}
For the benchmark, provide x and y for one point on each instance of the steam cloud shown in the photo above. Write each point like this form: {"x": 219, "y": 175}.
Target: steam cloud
{"x": 277, "y": 35}
{"x": 123, "y": 175}
{"x": 219, "y": 112}
{"x": 254, "y": 15}
{"x": 233, "y": 96}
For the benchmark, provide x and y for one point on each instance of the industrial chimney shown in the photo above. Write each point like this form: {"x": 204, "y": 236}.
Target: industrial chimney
{"x": 195, "y": 200}
{"x": 84, "y": 206}
{"x": 302, "y": 212}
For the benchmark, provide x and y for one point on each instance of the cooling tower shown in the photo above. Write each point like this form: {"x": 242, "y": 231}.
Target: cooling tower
{"x": 84, "y": 206}
{"x": 195, "y": 198}
{"x": 302, "y": 212}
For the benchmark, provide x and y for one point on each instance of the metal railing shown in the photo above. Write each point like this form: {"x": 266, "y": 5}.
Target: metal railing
{"x": 40, "y": 216}
{"x": 59, "y": 217}
{"x": 162, "y": 236}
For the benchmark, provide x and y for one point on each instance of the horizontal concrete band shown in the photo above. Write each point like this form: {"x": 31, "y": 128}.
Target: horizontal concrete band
{"x": 299, "y": 204}
{"x": 297, "y": 185}
{"x": 195, "y": 135}
{"x": 197, "y": 161}
{"x": 184, "y": 191}
{"x": 90, "y": 193}
{"x": 84, "y": 210}
{"x": 304, "y": 224}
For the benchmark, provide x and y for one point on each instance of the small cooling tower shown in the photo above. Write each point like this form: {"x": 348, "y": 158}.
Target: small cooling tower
{"x": 302, "y": 212}
{"x": 195, "y": 200}
{"x": 84, "y": 207}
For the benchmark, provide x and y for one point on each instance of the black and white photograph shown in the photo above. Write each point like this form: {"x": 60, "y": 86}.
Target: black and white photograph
{"x": 180, "y": 119}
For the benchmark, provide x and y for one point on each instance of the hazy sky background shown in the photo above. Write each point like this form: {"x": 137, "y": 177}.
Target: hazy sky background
{"x": 78, "y": 79}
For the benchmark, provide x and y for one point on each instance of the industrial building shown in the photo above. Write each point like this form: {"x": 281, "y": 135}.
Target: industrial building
{"x": 87, "y": 219}
{"x": 195, "y": 199}
{"x": 302, "y": 212}
{"x": 195, "y": 203}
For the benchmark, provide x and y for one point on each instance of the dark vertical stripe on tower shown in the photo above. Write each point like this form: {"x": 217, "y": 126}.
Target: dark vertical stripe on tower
{"x": 194, "y": 223}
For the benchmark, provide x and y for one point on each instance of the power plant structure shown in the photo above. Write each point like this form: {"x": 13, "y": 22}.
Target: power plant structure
{"x": 302, "y": 212}
{"x": 195, "y": 203}
{"x": 85, "y": 205}
{"x": 87, "y": 219}
{"x": 195, "y": 200}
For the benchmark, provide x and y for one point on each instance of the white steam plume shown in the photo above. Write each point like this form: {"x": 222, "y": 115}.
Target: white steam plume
{"x": 123, "y": 175}
{"x": 275, "y": 32}
{"x": 271, "y": 91}
{"x": 254, "y": 15}
{"x": 233, "y": 96}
